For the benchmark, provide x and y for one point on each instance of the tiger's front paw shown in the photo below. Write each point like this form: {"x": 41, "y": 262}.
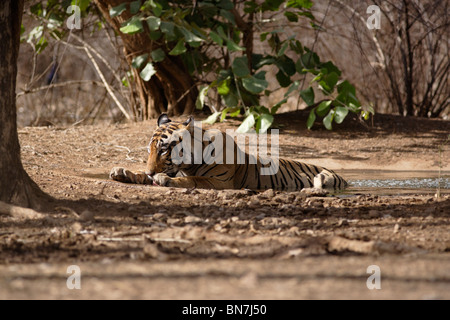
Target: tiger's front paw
{"x": 121, "y": 175}
{"x": 162, "y": 179}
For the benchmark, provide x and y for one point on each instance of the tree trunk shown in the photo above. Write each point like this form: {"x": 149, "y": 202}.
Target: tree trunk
{"x": 172, "y": 89}
{"x": 15, "y": 184}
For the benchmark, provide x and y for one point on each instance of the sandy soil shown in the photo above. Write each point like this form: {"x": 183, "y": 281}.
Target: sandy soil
{"x": 146, "y": 242}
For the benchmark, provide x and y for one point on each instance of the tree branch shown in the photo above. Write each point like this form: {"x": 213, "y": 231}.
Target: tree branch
{"x": 61, "y": 84}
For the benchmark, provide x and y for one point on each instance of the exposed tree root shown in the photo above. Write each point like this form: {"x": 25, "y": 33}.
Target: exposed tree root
{"x": 19, "y": 212}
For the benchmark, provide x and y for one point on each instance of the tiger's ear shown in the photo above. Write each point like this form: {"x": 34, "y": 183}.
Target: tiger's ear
{"x": 189, "y": 123}
{"x": 163, "y": 119}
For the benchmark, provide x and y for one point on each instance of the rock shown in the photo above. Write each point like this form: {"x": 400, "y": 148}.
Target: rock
{"x": 268, "y": 194}
{"x": 86, "y": 216}
{"x": 396, "y": 228}
{"x": 314, "y": 192}
{"x": 76, "y": 227}
{"x": 192, "y": 219}
{"x": 374, "y": 214}
{"x": 159, "y": 216}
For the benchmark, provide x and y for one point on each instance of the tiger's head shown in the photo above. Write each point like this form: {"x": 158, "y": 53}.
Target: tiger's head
{"x": 166, "y": 137}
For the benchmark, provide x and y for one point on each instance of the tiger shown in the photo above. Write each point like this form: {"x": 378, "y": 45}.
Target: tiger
{"x": 162, "y": 170}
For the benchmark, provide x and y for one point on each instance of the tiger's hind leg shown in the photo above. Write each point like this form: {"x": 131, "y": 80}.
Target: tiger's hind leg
{"x": 328, "y": 180}
{"x": 126, "y": 176}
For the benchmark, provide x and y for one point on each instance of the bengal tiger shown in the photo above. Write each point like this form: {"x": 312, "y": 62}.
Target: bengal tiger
{"x": 162, "y": 170}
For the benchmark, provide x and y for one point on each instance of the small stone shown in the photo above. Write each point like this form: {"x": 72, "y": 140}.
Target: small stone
{"x": 159, "y": 216}
{"x": 192, "y": 219}
{"x": 374, "y": 214}
{"x": 396, "y": 228}
{"x": 86, "y": 216}
{"x": 76, "y": 227}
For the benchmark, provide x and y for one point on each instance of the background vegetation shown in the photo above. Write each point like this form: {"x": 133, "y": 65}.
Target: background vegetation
{"x": 136, "y": 59}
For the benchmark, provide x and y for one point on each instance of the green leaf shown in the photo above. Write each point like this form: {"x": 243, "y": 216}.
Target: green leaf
{"x": 168, "y": 28}
{"x": 189, "y": 36}
{"x": 156, "y": 7}
{"x": 347, "y": 94}
{"x": 265, "y": 121}
{"x": 138, "y": 61}
{"x": 158, "y": 55}
{"x": 35, "y": 33}
{"x": 227, "y": 15}
{"x": 224, "y": 87}
{"x": 275, "y": 108}
{"x": 254, "y": 85}
{"x": 179, "y": 48}
{"x": 328, "y": 82}
{"x": 323, "y": 108}
{"x": 155, "y": 35}
{"x": 240, "y": 67}
{"x": 212, "y": 118}
{"x": 133, "y": 26}
{"x": 294, "y": 86}
{"x": 153, "y": 23}
{"x": 231, "y": 99}
{"x": 311, "y": 119}
{"x": 271, "y": 5}
{"x": 224, "y": 113}
{"x": 36, "y": 9}
{"x": 308, "y": 96}
{"x": 286, "y": 64}
{"x": 283, "y": 79}
{"x": 201, "y": 98}
{"x": 135, "y": 6}
{"x": 221, "y": 32}
{"x": 225, "y": 4}
{"x": 148, "y": 72}
{"x": 283, "y": 49}
{"x": 366, "y": 111}
{"x": 233, "y": 47}
{"x": 328, "y": 120}
{"x": 297, "y": 47}
{"x": 299, "y": 66}
{"x": 307, "y": 14}
{"x": 300, "y": 4}
{"x": 83, "y": 4}
{"x": 339, "y": 114}
{"x": 54, "y": 21}
{"x": 330, "y": 67}
{"x": 292, "y": 17}
{"x": 346, "y": 87}
{"x": 41, "y": 45}
{"x": 216, "y": 38}
{"x": 247, "y": 124}
{"x": 233, "y": 112}
{"x": 353, "y": 108}
{"x": 310, "y": 60}
{"x": 117, "y": 11}
{"x": 250, "y": 7}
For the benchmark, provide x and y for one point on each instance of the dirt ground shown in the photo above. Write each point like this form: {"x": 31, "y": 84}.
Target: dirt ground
{"x": 147, "y": 242}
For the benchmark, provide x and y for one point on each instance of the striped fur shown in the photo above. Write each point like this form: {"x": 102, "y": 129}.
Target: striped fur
{"x": 291, "y": 175}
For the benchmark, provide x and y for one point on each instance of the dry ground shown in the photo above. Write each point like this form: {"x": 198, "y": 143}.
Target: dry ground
{"x": 150, "y": 242}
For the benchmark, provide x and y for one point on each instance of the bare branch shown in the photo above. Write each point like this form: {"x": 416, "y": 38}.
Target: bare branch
{"x": 108, "y": 87}
{"x": 61, "y": 84}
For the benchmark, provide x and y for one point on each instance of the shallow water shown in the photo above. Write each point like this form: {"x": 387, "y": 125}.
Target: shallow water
{"x": 397, "y": 182}
{"x": 381, "y": 182}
